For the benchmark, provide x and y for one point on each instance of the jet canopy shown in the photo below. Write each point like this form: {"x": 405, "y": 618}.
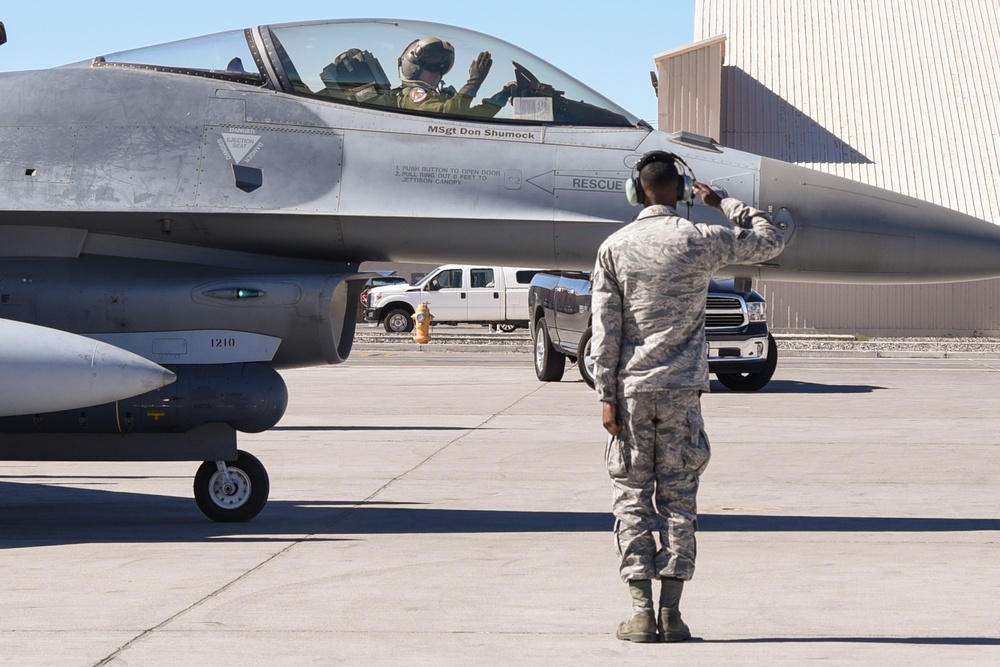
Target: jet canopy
{"x": 360, "y": 62}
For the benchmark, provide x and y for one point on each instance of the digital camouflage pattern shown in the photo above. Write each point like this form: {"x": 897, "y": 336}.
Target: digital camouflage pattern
{"x": 650, "y": 284}
{"x": 655, "y": 463}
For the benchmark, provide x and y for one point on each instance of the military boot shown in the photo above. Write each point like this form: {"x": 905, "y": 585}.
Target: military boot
{"x": 672, "y": 628}
{"x": 641, "y": 625}
{"x": 670, "y": 625}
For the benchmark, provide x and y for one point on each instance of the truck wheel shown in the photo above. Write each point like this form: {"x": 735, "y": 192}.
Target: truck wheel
{"x": 398, "y": 320}
{"x": 753, "y": 381}
{"x": 506, "y": 327}
{"x": 585, "y": 361}
{"x": 549, "y": 362}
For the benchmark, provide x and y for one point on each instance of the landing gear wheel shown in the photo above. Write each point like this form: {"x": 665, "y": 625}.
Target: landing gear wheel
{"x": 549, "y": 362}
{"x": 234, "y": 492}
{"x": 398, "y": 320}
{"x": 585, "y": 361}
{"x": 753, "y": 381}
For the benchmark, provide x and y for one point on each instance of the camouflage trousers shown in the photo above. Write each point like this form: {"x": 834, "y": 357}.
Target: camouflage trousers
{"x": 655, "y": 463}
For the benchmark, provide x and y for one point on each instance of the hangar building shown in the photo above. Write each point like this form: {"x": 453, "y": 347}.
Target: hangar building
{"x": 901, "y": 94}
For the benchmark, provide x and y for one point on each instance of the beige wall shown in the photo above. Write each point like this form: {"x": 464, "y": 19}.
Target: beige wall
{"x": 694, "y": 74}
{"x": 901, "y": 94}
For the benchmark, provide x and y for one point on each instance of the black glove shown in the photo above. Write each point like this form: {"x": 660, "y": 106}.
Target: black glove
{"x": 478, "y": 71}
{"x": 501, "y": 98}
{"x": 480, "y": 67}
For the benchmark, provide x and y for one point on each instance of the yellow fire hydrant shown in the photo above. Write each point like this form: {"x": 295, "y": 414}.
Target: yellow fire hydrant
{"x": 422, "y": 320}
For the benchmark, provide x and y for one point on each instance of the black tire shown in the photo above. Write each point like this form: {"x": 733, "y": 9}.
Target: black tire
{"x": 398, "y": 320}
{"x": 243, "y": 500}
{"x": 584, "y": 361}
{"x": 506, "y": 327}
{"x": 753, "y": 381}
{"x": 550, "y": 364}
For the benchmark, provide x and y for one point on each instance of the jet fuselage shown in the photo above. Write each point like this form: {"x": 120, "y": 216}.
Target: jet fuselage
{"x": 137, "y": 153}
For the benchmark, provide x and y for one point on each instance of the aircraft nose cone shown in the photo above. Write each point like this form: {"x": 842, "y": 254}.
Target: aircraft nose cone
{"x": 843, "y": 231}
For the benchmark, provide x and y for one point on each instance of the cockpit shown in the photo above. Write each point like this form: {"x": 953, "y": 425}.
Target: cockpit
{"x": 394, "y": 65}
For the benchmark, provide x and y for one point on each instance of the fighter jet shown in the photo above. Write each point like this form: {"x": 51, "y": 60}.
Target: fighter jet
{"x": 205, "y": 204}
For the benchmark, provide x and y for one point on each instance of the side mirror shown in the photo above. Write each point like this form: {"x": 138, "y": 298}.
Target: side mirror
{"x": 3, "y": 34}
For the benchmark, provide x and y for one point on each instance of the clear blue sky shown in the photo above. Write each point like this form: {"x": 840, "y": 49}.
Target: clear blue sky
{"x": 608, "y": 46}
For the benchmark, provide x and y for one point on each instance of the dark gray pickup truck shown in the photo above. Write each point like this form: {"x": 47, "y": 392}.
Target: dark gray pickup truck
{"x": 741, "y": 352}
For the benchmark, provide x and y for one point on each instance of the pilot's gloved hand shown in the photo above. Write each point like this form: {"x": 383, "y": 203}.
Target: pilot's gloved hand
{"x": 478, "y": 71}
{"x": 501, "y": 98}
{"x": 480, "y": 67}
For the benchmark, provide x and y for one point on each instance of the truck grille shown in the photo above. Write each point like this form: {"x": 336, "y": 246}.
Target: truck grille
{"x": 716, "y": 301}
{"x": 725, "y": 312}
{"x": 723, "y": 320}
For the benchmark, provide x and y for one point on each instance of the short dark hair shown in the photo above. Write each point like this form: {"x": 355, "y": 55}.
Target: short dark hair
{"x": 659, "y": 175}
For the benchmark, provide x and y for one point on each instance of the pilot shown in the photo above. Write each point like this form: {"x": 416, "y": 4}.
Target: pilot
{"x": 651, "y": 367}
{"x": 422, "y": 67}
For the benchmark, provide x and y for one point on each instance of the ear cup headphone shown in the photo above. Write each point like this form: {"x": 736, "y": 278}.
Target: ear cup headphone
{"x": 685, "y": 188}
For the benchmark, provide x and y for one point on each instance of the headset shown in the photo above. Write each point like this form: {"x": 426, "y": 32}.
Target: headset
{"x": 685, "y": 189}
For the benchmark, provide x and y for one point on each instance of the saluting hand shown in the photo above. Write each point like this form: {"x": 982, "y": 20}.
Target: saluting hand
{"x": 707, "y": 195}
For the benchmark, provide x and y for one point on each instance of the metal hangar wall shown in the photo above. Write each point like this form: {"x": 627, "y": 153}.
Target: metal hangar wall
{"x": 901, "y": 94}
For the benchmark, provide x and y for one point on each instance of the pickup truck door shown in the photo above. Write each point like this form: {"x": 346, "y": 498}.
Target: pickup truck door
{"x": 486, "y": 295}
{"x": 446, "y": 296}
{"x": 572, "y": 310}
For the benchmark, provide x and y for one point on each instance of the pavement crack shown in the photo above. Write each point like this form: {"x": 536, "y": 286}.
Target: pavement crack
{"x": 370, "y": 498}
{"x": 164, "y": 623}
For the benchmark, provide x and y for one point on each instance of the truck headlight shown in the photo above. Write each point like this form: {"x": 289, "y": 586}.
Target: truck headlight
{"x": 757, "y": 311}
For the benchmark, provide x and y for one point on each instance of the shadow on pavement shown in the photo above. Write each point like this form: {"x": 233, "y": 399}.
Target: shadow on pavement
{"x": 932, "y": 641}
{"x": 42, "y": 514}
{"x": 796, "y": 387}
{"x": 752, "y": 523}
{"x": 375, "y": 428}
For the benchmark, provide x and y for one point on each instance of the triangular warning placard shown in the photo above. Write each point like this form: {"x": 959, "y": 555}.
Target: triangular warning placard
{"x": 240, "y": 144}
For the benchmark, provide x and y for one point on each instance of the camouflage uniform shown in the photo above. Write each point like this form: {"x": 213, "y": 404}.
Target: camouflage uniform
{"x": 650, "y": 284}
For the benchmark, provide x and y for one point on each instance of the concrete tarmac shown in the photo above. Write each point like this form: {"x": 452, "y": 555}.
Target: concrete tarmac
{"x": 433, "y": 508}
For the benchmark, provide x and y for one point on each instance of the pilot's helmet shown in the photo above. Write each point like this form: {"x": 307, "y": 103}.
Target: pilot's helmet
{"x": 429, "y": 53}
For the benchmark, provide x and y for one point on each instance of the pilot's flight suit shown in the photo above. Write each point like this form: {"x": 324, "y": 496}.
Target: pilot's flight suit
{"x": 650, "y": 285}
{"x": 423, "y": 97}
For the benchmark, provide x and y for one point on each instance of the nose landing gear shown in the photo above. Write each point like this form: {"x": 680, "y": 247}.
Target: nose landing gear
{"x": 231, "y": 491}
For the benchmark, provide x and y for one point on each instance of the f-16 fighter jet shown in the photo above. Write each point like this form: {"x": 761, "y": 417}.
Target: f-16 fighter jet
{"x": 205, "y": 205}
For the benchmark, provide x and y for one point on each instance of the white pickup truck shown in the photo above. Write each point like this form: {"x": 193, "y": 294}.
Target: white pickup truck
{"x": 456, "y": 293}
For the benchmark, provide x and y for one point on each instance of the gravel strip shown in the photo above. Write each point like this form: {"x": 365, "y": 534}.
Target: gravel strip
{"x": 898, "y": 345}
{"x": 791, "y": 345}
